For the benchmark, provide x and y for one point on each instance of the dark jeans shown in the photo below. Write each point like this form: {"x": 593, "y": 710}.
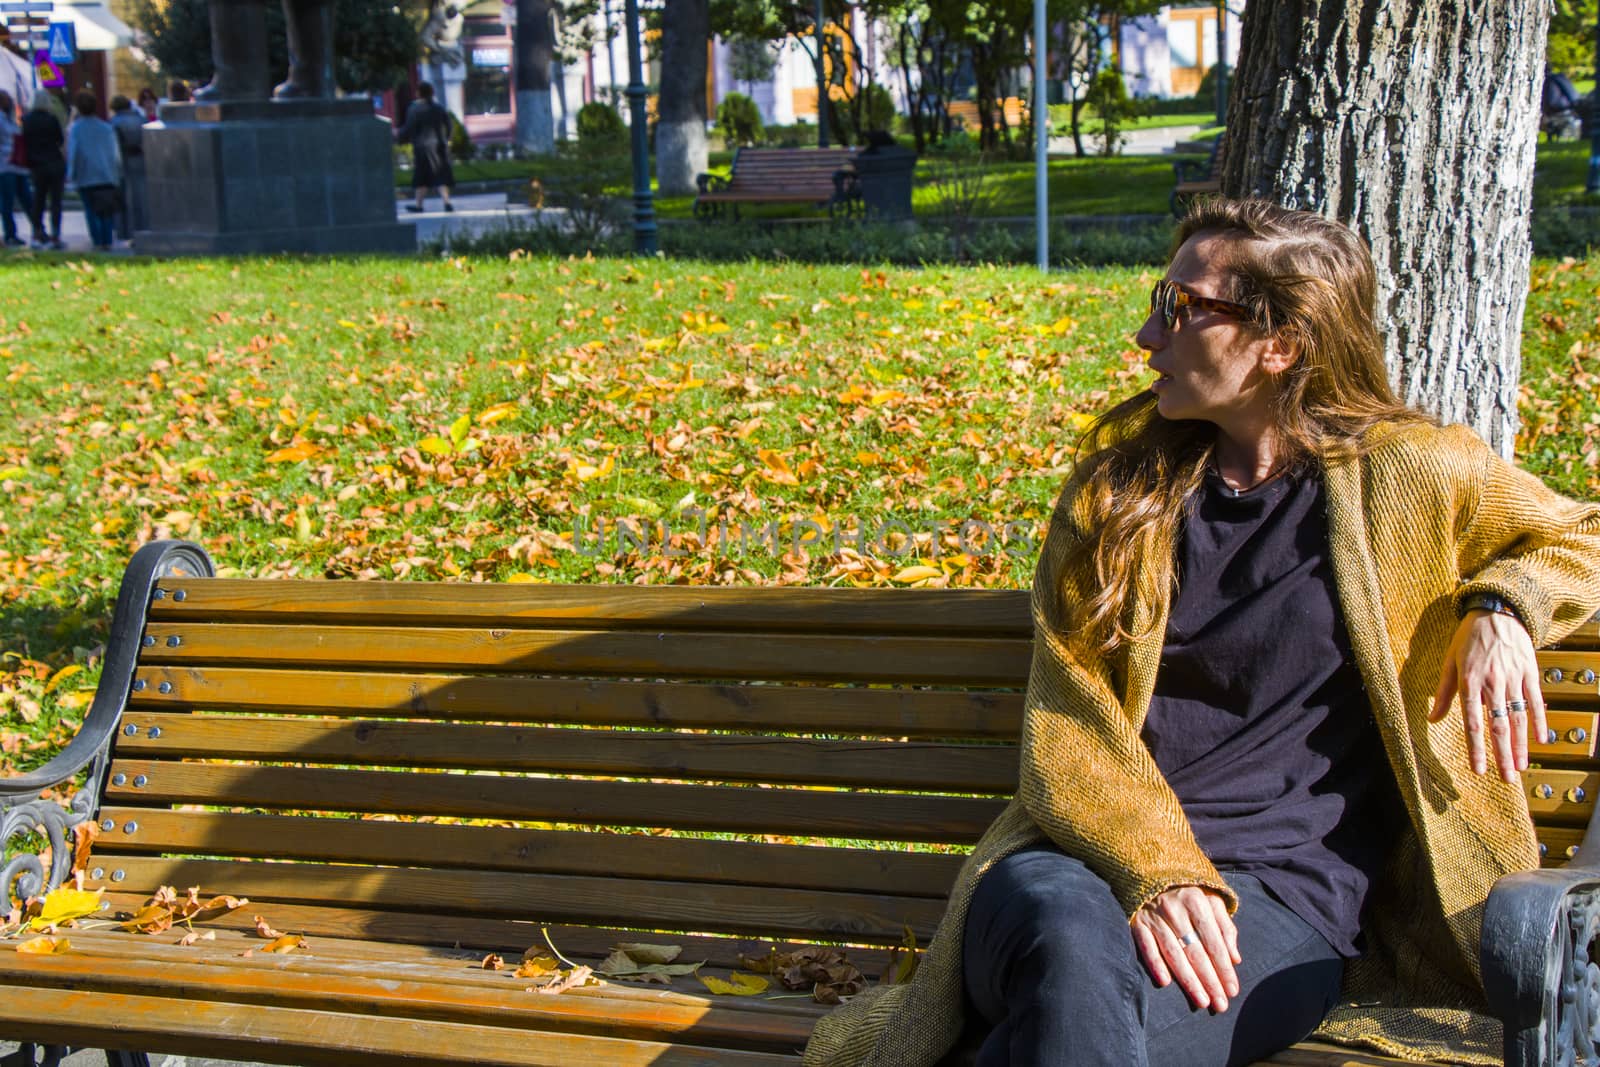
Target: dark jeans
{"x": 48, "y": 185}
{"x": 1051, "y": 965}
{"x": 14, "y": 191}
{"x": 102, "y": 227}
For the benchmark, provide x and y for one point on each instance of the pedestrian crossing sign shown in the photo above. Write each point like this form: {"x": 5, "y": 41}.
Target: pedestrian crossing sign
{"x": 63, "y": 42}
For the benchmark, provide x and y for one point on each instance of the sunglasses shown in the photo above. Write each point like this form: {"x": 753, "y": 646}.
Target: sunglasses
{"x": 1168, "y": 296}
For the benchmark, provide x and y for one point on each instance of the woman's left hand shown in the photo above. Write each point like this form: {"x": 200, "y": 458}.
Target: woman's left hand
{"x": 1491, "y": 666}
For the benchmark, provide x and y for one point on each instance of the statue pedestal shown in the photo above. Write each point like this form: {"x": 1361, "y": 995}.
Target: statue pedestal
{"x": 238, "y": 178}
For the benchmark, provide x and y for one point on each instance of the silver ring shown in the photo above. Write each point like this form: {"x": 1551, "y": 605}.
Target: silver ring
{"x": 1190, "y": 938}
{"x": 1498, "y": 713}
{"x": 1518, "y": 706}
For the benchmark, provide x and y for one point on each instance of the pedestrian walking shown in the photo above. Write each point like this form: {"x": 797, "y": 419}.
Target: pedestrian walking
{"x": 15, "y": 190}
{"x": 427, "y": 130}
{"x": 128, "y": 122}
{"x": 94, "y": 167}
{"x": 42, "y": 140}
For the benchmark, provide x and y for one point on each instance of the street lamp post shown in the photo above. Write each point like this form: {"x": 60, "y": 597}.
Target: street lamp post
{"x": 644, "y": 214}
{"x": 1593, "y": 185}
{"x": 1222, "y": 62}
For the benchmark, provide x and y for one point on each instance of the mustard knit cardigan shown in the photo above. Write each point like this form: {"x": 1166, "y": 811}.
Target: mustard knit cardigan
{"x": 1426, "y": 516}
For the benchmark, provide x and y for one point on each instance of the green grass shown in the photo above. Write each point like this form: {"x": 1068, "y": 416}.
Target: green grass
{"x": 453, "y": 418}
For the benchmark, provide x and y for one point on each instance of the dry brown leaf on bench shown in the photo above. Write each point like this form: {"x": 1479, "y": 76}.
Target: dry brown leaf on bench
{"x": 825, "y": 972}
{"x": 220, "y": 905}
{"x": 264, "y": 929}
{"x": 493, "y": 962}
{"x": 285, "y": 943}
{"x": 150, "y": 919}
{"x": 577, "y": 976}
{"x": 166, "y": 896}
{"x": 195, "y": 935}
{"x": 736, "y": 985}
{"x": 45, "y": 946}
{"x": 537, "y": 967}
{"x": 643, "y": 953}
{"x": 83, "y": 836}
{"x": 655, "y": 965}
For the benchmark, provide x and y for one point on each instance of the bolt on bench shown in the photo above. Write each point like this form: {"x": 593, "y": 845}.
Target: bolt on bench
{"x": 413, "y": 775}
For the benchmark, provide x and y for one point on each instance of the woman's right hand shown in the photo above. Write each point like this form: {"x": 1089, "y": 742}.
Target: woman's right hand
{"x": 1203, "y": 968}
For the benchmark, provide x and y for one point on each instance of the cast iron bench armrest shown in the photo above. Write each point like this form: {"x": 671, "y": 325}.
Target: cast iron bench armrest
{"x": 1538, "y": 971}
{"x": 21, "y": 810}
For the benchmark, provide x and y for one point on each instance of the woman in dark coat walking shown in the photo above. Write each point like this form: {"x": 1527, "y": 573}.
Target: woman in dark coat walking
{"x": 427, "y": 130}
{"x": 45, "y": 140}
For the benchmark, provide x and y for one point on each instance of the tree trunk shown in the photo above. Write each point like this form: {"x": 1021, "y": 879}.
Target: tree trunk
{"x": 681, "y": 129}
{"x": 535, "y": 47}
{"x": 1415, "y": 121}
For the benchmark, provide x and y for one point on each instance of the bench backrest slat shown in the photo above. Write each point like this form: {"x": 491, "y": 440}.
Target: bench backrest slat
{"x": 705, "y": 654}
{"x": 460, "y": 746}
{"x": 497, "y": 848}
{"x": 983, "y": 713}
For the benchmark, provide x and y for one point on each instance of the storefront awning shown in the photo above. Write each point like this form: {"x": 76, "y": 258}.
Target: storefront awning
{"x": 98, "y": 29}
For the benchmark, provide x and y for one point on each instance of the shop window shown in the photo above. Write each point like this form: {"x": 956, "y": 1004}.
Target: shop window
{"x": 488, "y": 84}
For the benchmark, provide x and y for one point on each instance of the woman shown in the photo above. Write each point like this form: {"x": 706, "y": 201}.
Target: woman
{"x": 94, "y": 167}
{"x": 427, "y": 130}
{"x": 1242, "y": 816}
{"x": 149, "y": 105}
{"x": 42, "y": 139}
{"x": 14, "y": 188}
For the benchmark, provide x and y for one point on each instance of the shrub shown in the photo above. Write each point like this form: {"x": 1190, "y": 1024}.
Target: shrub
{"x": 739, "y": 120}
{"x": 598, "y": 122}
{"x": 1113, "y": 108}
{"x": 461, "y": 146}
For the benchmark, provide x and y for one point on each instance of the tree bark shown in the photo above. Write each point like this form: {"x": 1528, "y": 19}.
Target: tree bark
{"x": 681, "y": 129}
{"x": 534, "y": 45}
{"x": 1415, "y": 121}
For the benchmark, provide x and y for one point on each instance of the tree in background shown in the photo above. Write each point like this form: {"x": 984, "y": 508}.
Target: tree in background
{"x": 533, "y": 48}
{"x": 374, "y": 41}
{"x": 1432, "y": 163}
{"x": 1571, "y": 42}
{"x": 750, "y": 60}
{"x": 681, "y": 126}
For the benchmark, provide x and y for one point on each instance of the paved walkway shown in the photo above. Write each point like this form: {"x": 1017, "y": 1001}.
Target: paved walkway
{"x": 1149, "y": 142}
{"x": 474, "y": 213}
{"x": 96, "y": 1058}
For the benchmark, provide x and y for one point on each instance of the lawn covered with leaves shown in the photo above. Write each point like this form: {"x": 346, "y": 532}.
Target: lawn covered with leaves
{"x": 479, "y": 419}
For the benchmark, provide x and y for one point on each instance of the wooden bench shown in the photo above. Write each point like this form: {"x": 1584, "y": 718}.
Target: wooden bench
{"x": 813, "y": 177}
{"x": 1197, "y": 178}
{"x": 415, "y": 775}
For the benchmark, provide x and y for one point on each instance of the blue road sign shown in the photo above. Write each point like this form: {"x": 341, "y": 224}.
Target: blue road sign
{"x": 63, "y": 42}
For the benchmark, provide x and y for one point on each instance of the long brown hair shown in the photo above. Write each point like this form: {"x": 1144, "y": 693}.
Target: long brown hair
{"x": 1310, "y": 282}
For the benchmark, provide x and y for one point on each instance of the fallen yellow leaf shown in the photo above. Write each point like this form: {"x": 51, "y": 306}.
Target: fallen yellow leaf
{"x": 64, "y": 904}
{"x": 737, "y": 985}
{"x": 60, "y": 676}
{"x": 45, "y": 946}
{"x": 917, "y": 573}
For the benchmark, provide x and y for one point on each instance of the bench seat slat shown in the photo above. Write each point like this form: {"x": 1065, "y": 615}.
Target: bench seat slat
{"x": 992, "y": 613}
{"x": 739, "y": 758}
{"x": 555, "y": 898}
{"x": 732, "y": 809}
{"x": 355, "y": 926}
{"x": 439, "y": 990}
{"x": 500, "y": 848}
{"x": 930, "y": 660}
{"x": 323, "y": 1039}
{"x": 896, "y": 712}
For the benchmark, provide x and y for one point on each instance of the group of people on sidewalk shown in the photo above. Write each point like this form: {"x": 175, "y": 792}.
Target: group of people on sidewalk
{"x": 103, "y": 160}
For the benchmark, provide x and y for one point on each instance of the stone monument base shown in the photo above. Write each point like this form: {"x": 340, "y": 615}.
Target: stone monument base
{"x": 242, "y": 178}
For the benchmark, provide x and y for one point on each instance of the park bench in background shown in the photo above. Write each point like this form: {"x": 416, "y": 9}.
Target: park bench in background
{"x": 812, "y": 177}
{"x": 413, "y": 775}
{"x": 1197, "y": 178}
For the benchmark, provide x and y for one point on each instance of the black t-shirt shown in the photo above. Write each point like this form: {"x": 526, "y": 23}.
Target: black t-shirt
{"x": 1260, "y": 721}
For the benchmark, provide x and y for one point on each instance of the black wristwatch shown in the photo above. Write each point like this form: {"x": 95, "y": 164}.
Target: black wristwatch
{"x": 1487, "y": 602}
